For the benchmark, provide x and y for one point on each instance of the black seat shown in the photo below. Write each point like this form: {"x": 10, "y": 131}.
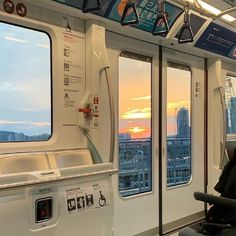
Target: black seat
{"x": 221, "y": 218}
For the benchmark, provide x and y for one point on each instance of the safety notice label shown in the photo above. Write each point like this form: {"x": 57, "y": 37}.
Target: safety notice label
{"x": 86, "y": 198}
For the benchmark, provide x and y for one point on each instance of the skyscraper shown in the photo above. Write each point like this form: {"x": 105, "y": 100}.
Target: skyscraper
{"x": 183, "y": 128}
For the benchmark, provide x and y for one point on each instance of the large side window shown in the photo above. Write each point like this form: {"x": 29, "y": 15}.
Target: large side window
{"x": 135, "y": 145}
{"x": 25, "y": 84}
{"x": 230, "y": 101}
{"x": 178, "y": 124}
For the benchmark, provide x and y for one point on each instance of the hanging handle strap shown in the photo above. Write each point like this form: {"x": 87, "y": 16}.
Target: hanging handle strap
{"x": 186, "y": 27}
{"x": 130, "y": 6}
{"x": 161, "y": 18}
{"x": 85, "y": 8}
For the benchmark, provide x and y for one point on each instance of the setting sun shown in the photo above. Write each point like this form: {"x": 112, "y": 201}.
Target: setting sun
{"x": 136, "y": 130}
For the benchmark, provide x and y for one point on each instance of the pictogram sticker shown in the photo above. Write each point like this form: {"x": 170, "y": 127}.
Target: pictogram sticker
{"x": 8, "y": 6}
{"x": 21, "y": 9}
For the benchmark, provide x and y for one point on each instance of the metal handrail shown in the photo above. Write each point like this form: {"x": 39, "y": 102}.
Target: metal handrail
{"x": 112, "y": 117}
{"x": 197, "y": 7}
{"x": 225, "y": 12}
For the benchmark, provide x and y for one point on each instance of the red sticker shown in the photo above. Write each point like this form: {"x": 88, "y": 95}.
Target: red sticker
{"x": 8, "y": 6}
{"x": 21, "y": 9}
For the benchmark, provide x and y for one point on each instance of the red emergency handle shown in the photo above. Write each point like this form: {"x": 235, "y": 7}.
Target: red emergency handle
{"x": 85, "y": 110}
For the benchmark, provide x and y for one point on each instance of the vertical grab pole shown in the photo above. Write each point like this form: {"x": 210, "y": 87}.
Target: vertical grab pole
{"x": 220, "y": 88}
{"x": 222, "y": 97}
{"x": 112, "y": 116}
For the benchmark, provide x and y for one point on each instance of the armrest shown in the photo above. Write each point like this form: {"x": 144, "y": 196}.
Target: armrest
{"x": 217, "y": 225}
{"x": 219, "y": 201}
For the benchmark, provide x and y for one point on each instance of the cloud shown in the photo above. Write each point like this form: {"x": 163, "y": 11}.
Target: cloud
{"x": 177, "y": 105}
{"x": 38, "y": 124}
{"x": 144, "y": 113}
{"x": 146, "y": 98}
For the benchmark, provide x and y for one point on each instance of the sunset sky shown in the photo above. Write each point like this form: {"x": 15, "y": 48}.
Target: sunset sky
{"x": 135, "y": 97}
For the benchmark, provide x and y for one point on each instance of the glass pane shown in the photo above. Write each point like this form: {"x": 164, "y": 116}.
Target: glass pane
{"x": 135, "y": 155}
{"x": 230, "y": 101}
{"x": 25, "y": 84}
{"x": 178, "y": 125}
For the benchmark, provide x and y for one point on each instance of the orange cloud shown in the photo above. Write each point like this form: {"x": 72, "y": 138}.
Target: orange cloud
{"x": 144, "y": 113}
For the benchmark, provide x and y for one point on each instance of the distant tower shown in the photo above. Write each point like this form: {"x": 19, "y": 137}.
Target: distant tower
{"x": 183, "y": 129}
{"x": 232, "y": 116}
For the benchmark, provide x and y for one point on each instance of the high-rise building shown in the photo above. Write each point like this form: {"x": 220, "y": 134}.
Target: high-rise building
{"x": 183, "y": 128}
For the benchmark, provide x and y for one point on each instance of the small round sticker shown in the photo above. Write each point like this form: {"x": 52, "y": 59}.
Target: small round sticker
{"x": 8, "y": 6}
{"x": 21, "y": 9}
{"x": 234, "y": 53}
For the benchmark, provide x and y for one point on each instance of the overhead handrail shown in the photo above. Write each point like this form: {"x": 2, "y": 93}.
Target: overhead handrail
{"x": 186, "y": 27}
{"x": 85, "y": 8}
{"x": 130, "y": 7}
{"x": 198, "y": 7}
{"x": 161, "y": 18}
{"x": 232, "y": 9}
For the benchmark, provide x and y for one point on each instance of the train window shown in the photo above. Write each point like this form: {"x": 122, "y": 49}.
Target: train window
{"x": 230, "y": 101}
{"x": 25, "y": 84}
{"x": 135, "y": 145}
{"x": 178, "y": 124}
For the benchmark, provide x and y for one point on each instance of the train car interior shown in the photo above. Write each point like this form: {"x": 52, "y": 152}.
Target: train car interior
{"x": 118, "y": 117}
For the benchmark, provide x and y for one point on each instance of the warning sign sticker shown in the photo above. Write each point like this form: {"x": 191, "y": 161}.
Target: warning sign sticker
{"x": 86, "y": 198}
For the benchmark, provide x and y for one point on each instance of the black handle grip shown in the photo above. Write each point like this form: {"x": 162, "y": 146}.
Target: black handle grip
{"x": 187, "y": 27}
{"x": 85, "y": 8}
{"x": 161, "y": 16}
{"x": 130, "y": 6}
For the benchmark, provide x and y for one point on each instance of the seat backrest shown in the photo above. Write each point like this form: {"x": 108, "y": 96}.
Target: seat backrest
{"x": 226, "y": 185}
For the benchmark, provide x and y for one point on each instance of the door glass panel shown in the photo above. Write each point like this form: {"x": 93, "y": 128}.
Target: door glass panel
{"x": 178, "y": 125}
{"x": 135, "y": 155}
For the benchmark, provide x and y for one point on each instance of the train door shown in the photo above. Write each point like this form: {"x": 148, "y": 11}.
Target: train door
{"x": 134, "y": 66}
{"x": 183, "y": 137}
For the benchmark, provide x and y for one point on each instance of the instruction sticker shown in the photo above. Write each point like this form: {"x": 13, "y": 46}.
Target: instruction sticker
{"x": 73, "y": 79}
{"x": 86, "y": 198}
